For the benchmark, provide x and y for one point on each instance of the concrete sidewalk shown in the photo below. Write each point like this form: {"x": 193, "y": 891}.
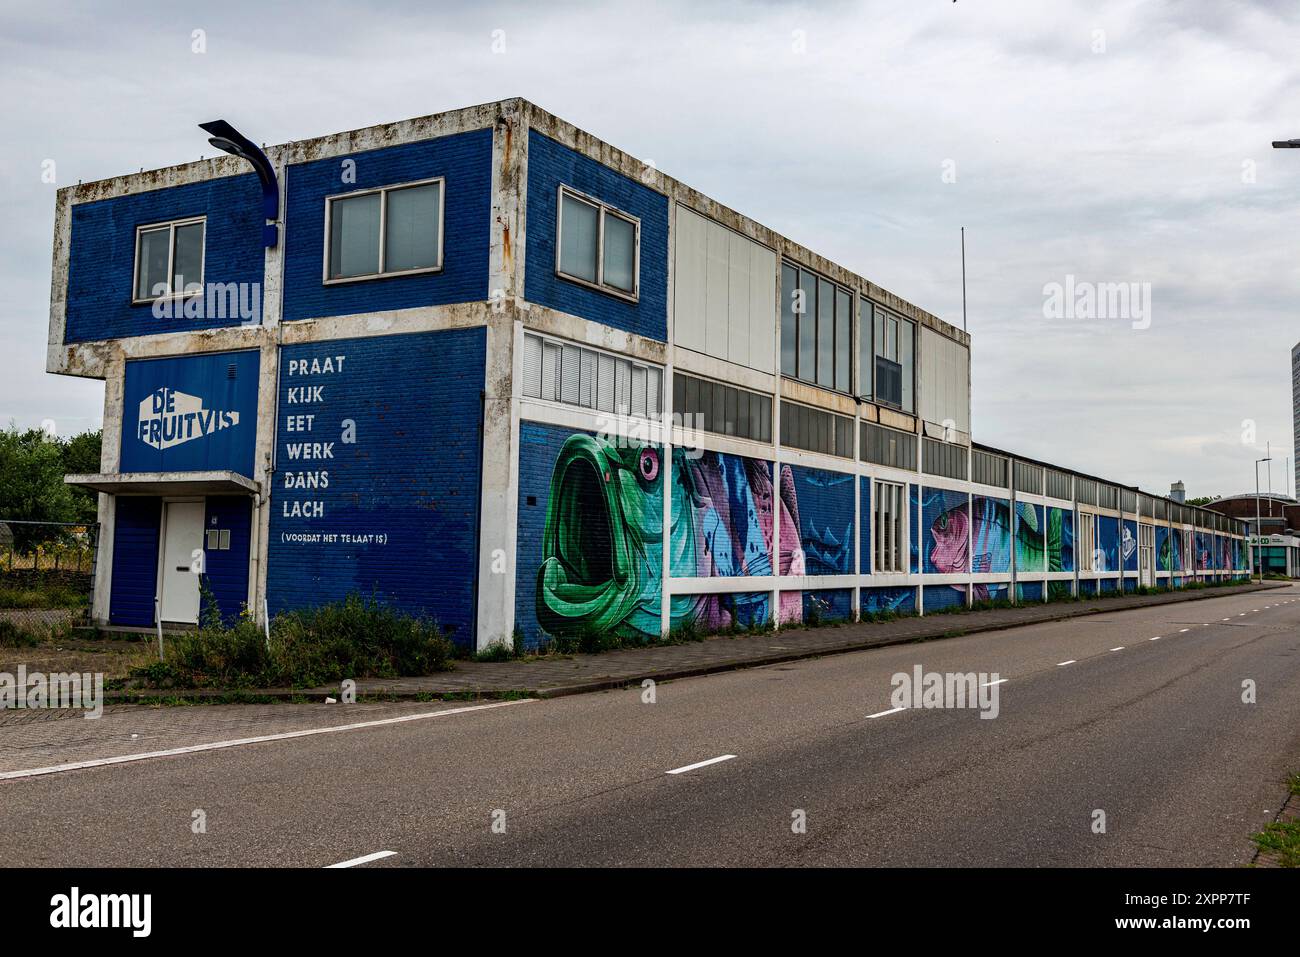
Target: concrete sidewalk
{"x": 556, "y": 675}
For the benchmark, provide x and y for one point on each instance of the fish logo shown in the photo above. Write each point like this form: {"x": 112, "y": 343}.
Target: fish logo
{"x": 169, "y": 418}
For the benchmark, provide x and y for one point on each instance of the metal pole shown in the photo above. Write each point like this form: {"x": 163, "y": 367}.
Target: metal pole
{"x": 963, "y": 279}
{"x": 1259, "y": 572}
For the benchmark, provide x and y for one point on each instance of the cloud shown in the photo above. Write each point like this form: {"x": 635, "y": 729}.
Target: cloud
{"x": 1109, "y": 141}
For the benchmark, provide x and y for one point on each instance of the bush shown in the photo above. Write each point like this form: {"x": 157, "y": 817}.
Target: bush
{"x": 13, "y": 636}
{"x": 354, "y": 638}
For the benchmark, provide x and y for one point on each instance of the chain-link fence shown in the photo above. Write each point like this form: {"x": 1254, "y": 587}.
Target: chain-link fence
{"x": 47, "y": 575}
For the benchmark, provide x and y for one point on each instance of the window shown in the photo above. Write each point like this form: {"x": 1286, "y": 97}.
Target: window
{"x": 1087, "y": 540}
{"x": 889, "y": 527}
{"x": 883, "y": 446}
{"x": 597, "y": 245}
{"x": 1060, "y": 484}
{"x": 169, "y": 259}
{"x": 944, "y": 458}
{"x": 563, "y": 372}
{"x": 393, "y": 231}
{"x": 1029, "y": 478}
{"x": 813, "y": 430}
{"x": 816, "y": 330}
{"x": 720, "y": 408}
{"x": 1086, "y": 491}
{"x": 988, "y": 469}
{"x": 895, "y": 351}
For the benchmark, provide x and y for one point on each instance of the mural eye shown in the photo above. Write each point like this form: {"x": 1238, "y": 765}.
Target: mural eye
{"x": 649, "y": 465}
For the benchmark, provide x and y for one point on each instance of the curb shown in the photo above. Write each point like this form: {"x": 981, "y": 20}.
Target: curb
{"x": 695, "y": 671}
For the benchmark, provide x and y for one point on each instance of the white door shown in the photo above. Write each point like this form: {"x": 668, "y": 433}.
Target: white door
{"x": 179, "y": 600}
{"x": 1146, "y": 553}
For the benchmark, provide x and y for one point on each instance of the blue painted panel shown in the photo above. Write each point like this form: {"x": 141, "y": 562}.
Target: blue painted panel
{"x": 393, "y": 515}
{"x": 914, "y": 517}
{"x": 101, "y": 258}
{"x": 190, "y": 413}
{"x": 940, "y": 597}
{"x": 1128, "y": 545}
{"x": 820, "y": 503}
{"x": 825, "y": 605}
{"x": 465, "y": 160}
{"x": 1029, "y": 591}
{"x": 865, "y": 547}
{"x": 226, "y": 569}
{"x": 551, "y": 165}
{"x": 900, "y": 599}
{"x": 135, "y": 560}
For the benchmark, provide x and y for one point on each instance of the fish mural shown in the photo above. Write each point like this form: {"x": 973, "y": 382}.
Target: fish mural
{"x": 966, "y": 535}
{"x": 1170, "y": 549}
{"x": 1060, "y": 539}
{"x": 721, "y": 527}
{"x": 899, "y": 599}
{"x": 602, "y": 547}
{"x": 1031, "y": 544}
{"x": 598, "y": 558}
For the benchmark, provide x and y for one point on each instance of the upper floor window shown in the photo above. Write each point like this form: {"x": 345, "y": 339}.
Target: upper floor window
{"x": 597, "y": 245}
{"x": 168, "y": 259}
{"x": 894, "y": 343}
{"x": 564, "y": 372}
{"x": 816, "y": 329}
{"x": 392, "y": 231}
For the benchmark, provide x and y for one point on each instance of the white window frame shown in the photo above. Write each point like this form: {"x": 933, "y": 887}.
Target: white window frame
{"x": 603, "y": 209}
{"x": 891, "y": 541}
{"x": 383, "y": 230}
{"x": 594, "y": 408}
{"x": 170, "y": 225}
{"x": 1087, "y": 538}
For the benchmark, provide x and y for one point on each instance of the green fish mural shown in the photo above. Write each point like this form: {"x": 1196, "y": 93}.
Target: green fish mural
{"x": 1030, "y": 545}
{"x": 602, "y": 547}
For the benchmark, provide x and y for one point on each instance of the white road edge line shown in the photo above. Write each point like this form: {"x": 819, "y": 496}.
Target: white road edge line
{"x": 378, "y": 855}
{"x": 700, "y": 764}
{"x": 1062, "y": 664}
{"x": 284, "y": 736}
{"x": 881, "y": 714}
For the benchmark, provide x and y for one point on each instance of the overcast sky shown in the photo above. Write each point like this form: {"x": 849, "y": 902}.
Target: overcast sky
{"x": 1112, "y": 142}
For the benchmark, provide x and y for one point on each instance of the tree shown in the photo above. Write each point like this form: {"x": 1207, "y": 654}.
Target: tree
{"x": 1203, "y": 499}
{"x": 32, "y": 466}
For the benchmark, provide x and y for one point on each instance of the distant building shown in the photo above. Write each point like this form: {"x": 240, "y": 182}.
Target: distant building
{"x": 1178, "y": 492}
{"x": 1295, "y": 411}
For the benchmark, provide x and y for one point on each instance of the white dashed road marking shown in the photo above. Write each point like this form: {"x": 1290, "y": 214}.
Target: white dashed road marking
{"x": 377, "y": 856}
{"x": 701, "y": 764}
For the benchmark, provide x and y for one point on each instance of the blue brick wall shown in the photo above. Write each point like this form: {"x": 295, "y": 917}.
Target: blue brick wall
{"x": 465, "y": 160}
{"x": 101, "y": 262}
{"x": 227, "y": 569}
{"x": 135, "y": 560}
{"x": 402, "y": 502}
{"x": 551, "y": 165}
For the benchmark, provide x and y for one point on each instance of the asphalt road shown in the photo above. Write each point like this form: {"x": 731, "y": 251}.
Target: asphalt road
{"x": 1093, "y": 716}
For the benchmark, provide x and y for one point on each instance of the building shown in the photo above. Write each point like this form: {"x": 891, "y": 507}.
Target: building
{"x": 487, "y": 368}
{"x": 1278, "y": 551}
{"x": 1295, "y": 412}
{"x": 1178, "y": 492}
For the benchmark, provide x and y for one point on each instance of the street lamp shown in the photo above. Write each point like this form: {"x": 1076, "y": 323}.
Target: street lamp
{"x": 229, "y": 140}
{"x": 1259, "y": 550}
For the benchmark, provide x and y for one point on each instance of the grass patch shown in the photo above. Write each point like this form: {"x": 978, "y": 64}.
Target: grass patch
{"x": 42, "y": 595}
{"x": 354, "y": 638}
{"x": 1281, "y": 839}
{"x": 15, "y": 636}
